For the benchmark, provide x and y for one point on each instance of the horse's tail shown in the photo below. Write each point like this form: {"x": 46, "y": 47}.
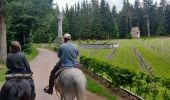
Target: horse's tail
{"x": 8, "y": 93}
{"x": 80, "y": 88}
{"x": 13, "y": 92}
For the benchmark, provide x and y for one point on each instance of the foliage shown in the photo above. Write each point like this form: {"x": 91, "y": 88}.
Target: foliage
{"x": 2, "y": 73}
{"x": 118, "y": 76}
{"x": 143, "y": 84}
{"x": 32, "y": 54}
{"x": 94, "y": 19}
{"x": 30, "y": 21}
{"x": 166, "y": 84}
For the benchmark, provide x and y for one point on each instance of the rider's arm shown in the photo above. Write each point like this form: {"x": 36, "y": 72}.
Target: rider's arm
{"x": 59, "y": 52}
{"x": 8, "y": 64}
{"x": 26, "y": 64}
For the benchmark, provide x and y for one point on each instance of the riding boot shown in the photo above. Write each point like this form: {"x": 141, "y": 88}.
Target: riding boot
{"x": 49, "y": 89}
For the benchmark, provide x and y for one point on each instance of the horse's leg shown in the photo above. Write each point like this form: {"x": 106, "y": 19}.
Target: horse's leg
{"x": 62, "y": 98}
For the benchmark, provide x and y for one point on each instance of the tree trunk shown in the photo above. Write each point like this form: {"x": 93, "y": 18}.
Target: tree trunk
{"x": 3, "y": 44}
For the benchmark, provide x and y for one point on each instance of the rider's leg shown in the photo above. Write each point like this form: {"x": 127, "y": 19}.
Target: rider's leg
{"x": 49, "y": 89}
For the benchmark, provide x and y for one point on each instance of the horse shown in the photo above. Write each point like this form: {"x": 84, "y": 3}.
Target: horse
{"x": 71, "y": 84}
{"x": 17, "y": 89}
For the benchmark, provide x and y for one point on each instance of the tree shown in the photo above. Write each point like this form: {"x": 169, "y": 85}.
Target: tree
{"x": 115, "y": 28}
{"x": 3, "y": 46}
{"x": 147, "y": 6}
{"x": 137, "y": 12}
{"x": 31, "y": 21}
{"x": 21, "y": 23}
{"x": 161, "y": 30}
{"x": 124, "y": 21}
{"x": 167, "y": 19}
{"x": 97, "y": 29}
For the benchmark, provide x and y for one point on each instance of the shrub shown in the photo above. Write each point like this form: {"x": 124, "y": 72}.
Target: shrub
{"x": 143, "y": 84}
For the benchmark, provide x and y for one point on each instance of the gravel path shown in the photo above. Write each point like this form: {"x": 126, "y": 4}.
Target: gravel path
{"x": 41, "y": 66}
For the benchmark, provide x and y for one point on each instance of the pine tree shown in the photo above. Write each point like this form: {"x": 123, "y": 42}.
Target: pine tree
{"x": 167, "y": 19}
{"x": 124, "y": 21}
{"x": 115, "y": 29}
{"x": 161, "y": 30}
{"x": 97, "y": 30}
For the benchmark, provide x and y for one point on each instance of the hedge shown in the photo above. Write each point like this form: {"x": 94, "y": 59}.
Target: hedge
{"x": 141, "y": 83}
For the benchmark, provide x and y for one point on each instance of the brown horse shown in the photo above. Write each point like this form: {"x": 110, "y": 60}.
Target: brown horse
{"x": 71, "y": 84}
{"x": 17, "y": 89}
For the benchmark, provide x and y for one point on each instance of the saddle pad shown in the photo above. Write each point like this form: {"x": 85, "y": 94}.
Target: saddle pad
{"x": 9, "y": 76}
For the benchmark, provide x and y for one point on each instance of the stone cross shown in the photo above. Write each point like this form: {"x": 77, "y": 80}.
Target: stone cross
{"x": 59, "y": 21}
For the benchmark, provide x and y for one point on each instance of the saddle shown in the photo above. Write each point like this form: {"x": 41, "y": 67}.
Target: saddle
{"x": 12, "y": 76}
{"x": 59, "y": 72}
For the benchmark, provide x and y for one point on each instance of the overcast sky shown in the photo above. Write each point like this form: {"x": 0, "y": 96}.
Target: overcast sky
{"x": 118, "y": 3}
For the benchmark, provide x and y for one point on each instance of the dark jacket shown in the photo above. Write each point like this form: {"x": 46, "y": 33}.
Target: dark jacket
{"x": 17, "y": 63}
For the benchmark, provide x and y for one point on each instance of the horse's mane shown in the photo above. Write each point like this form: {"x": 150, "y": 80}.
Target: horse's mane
{"x": 16, "y": 89}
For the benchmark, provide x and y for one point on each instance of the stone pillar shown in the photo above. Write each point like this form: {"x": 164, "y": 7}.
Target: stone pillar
{"x": 59, "y": 21}
{"x": 59, "y": 38}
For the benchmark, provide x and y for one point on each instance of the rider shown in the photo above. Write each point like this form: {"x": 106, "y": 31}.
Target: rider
{"x": 17, "y": 63}
{"x": 67, "y": 53}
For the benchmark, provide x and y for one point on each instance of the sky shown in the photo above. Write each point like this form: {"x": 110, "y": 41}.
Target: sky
{"x": 117, "y": 3}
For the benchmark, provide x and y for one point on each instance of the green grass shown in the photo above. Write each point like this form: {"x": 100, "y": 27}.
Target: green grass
{"x": 95, "y": 87}
{"x": 2, "y": 73}
{"x": 125, "y": 58}
{"x": 159, "y": 62}
{"x": 32, "y": 54}
{"x": 158, "y": 59}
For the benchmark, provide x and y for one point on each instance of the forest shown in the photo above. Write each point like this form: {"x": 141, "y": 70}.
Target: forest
{"x": 35, "y": 21}
{"x": 97, "y": 20}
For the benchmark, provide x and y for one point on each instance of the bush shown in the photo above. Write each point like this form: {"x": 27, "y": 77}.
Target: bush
{"x": 88, "y": 41}
{"x": 118, "y": 76}
{"x": 56, "y": 48}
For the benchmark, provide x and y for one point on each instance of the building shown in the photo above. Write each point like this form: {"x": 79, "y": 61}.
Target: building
{"x": 135, "y": 32}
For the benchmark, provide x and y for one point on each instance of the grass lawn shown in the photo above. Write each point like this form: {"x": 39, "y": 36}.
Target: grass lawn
{"x": 155, "y": 51}
{"x": 95, "y": 87}
{"x": 158, "y": 61}
{"x": 125, "y": 58}
{"x": 2, "y": 73}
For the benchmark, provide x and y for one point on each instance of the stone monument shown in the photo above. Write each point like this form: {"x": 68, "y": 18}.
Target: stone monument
{"x": 59, "y": 38}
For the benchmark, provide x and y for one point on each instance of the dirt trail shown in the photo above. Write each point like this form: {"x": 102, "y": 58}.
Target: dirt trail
{"x": 41, "y": 66}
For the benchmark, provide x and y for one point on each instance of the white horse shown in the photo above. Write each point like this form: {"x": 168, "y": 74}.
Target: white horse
{"x": 71, "y": 84}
